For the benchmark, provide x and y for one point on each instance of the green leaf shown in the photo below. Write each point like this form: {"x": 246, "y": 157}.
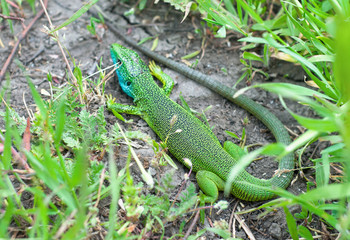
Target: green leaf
{"x": 221, "y": 232}
{"x": 321, "y": 175}
{"x": 341, "y": 67}
{"x": 7, "y": 217}
{"x": 287, "y": 90}
{"x": 221, "y": 33}
{"x": 197, "y": 235}
{"x": 31, "y": 4}
{"x": 239, "y": 167}
{"x": 154, "y": 44}
{"x": 251, "y": 11}
{"x": 291, "y": 223}
{"x": 71, "y": 142}
{"x": 328, "y": 192}
{"x": 60, "y": 119}
{"x": 231, "y": 134}
{"x": 253, "y": 40}
{"x": 252, "y": 56}
{"x": 321, "y": 58}
{"x": 76, "y": 15}
{"x": 184, "y": 103}
{"x": 333, "y": 148}
{"x": 305, "y": 233}
{"x": 321, "y": 125}
{"x": 143, "y": 40}
{"x": 304, "y": 202}
{"x": 326, "y": 124}
{"x": 191, "y": 55}
{"x": 248, "y": 46}
{"x": 129, "y": 12}
{"x": 274, "y": 149}
{"x": 91, "y": 28}
{"x": 243, "y": 133}
{"x": 39, "y": 102}
{"x": 321, "y": 47}
{"x": 169, "y": 160}
{"x": 6, "y": 12}
{"x": 115, "y": 182}
{"x": 221, "y": 16}
{"x": 79, "y": 168}
{"x": 142, "y": 4}
{"x": 308, "y": 34}
{"x": 49, "y": 171}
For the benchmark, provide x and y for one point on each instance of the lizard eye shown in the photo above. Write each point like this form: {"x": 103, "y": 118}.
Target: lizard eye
{"x": 128, "y": 84}
{"x": 119, "y": 62}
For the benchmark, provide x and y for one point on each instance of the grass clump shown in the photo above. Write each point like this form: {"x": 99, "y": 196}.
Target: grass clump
{"x": 314, "y": 34}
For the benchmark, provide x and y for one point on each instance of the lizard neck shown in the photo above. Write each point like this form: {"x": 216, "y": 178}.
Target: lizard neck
{"x": 146, "y": 91}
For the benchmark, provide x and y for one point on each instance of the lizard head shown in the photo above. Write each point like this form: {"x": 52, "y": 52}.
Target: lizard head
{"x": 128, "y": 67}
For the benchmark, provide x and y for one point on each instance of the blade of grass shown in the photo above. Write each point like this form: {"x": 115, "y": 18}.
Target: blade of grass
{"x": 76, "y": 15}
{"x": 60, "y": 120}
{"x": 291, "y": 223}
{"x": 115, "y": 181}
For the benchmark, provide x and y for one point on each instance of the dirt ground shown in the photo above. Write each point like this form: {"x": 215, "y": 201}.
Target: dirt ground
{"x": 41, "y": 55}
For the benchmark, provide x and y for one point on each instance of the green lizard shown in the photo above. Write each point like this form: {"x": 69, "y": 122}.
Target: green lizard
{"x": 185, "y": 135}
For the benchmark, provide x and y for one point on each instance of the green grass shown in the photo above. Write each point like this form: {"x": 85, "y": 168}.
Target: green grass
{"x": 67, "y": 175}
{"x": 72, "y": 153}
{"x": 316, "y": 35}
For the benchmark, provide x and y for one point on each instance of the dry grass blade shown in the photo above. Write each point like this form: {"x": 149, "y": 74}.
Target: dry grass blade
{"x": 245, "y": 227}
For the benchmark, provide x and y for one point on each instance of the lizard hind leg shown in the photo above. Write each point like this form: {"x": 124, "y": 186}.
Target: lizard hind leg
{"x": 234, "y": 150}
{"x": 210, "y": 184}
{"x": 166, "y": 80}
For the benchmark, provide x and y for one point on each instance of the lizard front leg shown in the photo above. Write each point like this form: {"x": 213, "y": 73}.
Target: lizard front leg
{"x": 121, "y": 108}
{"x": 165, "y": 79}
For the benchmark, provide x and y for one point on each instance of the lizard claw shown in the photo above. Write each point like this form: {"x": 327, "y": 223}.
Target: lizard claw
{"x": 110, "y": 100}
{"x": 154, "y": 68}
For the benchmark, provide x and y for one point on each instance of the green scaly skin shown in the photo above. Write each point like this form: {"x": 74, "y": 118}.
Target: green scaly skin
{"x": 194, "y": 140}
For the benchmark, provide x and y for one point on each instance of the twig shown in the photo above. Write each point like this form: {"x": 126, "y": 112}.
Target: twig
{"x": 55, "y": 35}
{"x": 232, "y": 221}
{"x": 102, "y": 178}
{"x": 192, "y": 225}
{"x": 66, "y": 224}
{"x": 12, "y": 18}
{"x": 181, "y": 187}
{"x": 245, "y": 227}
{"x": 41, "y": 50}
{"x": 270, "y": 10}
{"x": 20, "y": 38}
{"x": 291, "y": 132}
